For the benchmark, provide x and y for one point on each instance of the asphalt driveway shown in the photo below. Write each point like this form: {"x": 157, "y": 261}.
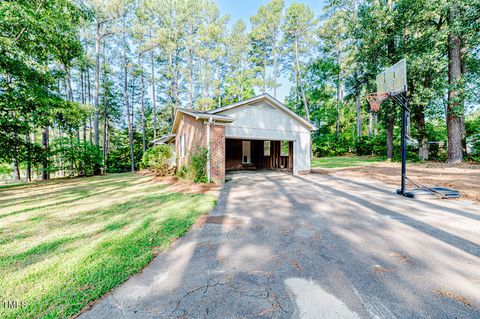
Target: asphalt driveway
{"x": 316, "y": 246}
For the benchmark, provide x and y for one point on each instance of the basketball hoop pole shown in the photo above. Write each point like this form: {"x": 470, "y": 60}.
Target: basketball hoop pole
{"x": 401, "y": 100}
{"x": 392, "y": 83}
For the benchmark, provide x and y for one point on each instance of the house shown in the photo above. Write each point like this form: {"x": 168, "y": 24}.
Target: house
{"x": 259, "y": 132}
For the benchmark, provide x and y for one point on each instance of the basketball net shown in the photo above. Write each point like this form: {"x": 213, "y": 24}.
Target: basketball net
{"x": 376, "y": 99}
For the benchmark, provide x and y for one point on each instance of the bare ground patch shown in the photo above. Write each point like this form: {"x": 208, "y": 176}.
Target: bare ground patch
{"x": 464, "y": 177}
{"x": 179, "y": 185}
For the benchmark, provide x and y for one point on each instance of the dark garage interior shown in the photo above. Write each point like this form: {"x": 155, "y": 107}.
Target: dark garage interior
{"x": 258, "y": 154}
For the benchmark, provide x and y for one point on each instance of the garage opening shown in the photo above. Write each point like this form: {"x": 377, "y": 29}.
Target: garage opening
{"x": 258, "y": 154}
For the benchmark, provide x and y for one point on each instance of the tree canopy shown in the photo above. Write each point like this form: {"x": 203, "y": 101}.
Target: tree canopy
{"x": 86, "y": 85}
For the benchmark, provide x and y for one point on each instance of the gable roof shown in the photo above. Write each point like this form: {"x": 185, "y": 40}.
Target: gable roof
{"x": 272, "y": 102}
{"x": 205, "y": 115}
{"x": 199, "y": 115}
{"x": 216, "y": 116}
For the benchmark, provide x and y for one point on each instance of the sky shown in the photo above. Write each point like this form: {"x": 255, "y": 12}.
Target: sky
{"x": 244, "y": 9}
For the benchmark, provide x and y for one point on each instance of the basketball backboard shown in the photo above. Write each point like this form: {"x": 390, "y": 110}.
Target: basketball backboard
{"x": 394, "y": 79}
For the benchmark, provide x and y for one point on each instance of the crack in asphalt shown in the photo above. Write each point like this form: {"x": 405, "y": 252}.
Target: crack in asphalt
{"x": 264, "y": 291}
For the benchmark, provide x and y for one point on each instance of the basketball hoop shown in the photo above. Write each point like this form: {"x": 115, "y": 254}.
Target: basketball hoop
{"x": 376, "y": 99}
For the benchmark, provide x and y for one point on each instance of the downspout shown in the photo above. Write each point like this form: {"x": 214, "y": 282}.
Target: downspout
{"x": 209, "y": 177}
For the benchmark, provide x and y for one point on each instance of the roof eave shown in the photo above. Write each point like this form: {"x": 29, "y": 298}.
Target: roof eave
{"x": 272, "y": 100}
{"x": 164, "y": 139}
{"x": 202, "y": 116}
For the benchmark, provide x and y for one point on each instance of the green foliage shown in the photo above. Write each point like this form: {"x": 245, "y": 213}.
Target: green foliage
{"x": 119, "y": 156}
{"x": 159, "y": 160}
{"x": 74, "y": 156}
{"x": 345, "y": 161}
{"x": 358, "y": 40}
{"x": 5, "y": 170}
{"x": 437, "y": 153}
{"x": 327, "y": 145}
{"x": 85, "y": 237}
{"x": 35, "y": 39}
{"x": 188, "y": 48}
{"x": 265, "y": 43}
{"x": 472, "y": 127}
{"x": 367, "y": 145}
{"x": 182, "y": 171}
{"x": 197, "y": 167}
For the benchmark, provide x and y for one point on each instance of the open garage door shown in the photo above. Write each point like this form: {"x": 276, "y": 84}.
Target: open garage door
{"x": 259, "y": 154}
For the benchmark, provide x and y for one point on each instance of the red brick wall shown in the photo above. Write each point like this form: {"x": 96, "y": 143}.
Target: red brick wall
{"x": 195, "y": 135}
{"x": 195, "y": 132}
{"x": 217, "y": 154}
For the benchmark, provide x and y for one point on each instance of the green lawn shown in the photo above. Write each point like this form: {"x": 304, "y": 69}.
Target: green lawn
{"x": 65, "y": 243}
{"x": 345, "y": 161}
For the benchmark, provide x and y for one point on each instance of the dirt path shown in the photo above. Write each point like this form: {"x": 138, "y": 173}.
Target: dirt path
{"x": 464, "y": 177}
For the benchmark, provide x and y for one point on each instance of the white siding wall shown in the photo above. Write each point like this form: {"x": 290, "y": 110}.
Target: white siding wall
{"x": 264, "y": 122}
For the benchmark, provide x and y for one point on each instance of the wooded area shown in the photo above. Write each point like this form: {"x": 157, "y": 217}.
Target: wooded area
{"x": 86, "y": 85}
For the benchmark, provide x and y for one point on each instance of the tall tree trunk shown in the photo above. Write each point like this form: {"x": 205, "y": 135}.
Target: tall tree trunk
{"x": 69, "y": 84}
{"x": 206, "y": 79}
{"x": 299, "y": 81}
{"x": 28, "y": 170}
{"x": 423, "y": 151}
{"x": 339, "y": 103}
{"x": 419, "y": 118}
{"x": 171, "y": 92}
{"x": 45, "y": 144}
{"x": 97, "y": 84}
{"x": 15, "y": 169}
{"x": 132, "y": 107}
{"x": 370, "y": 124}
{"x": 15, "y": 164}
{"x": 359, "y": 116}
{"x": 154, "y": 96}
{"x": 190, "y": 75}
{"x": 107, "y": 147}
{"x": 339, "y": 92}
{"x": 264, "y": 73}
{"x": 390, "y": 120}
{"x": 455, "y": 108}
{"x": 219, "y": 87}
{"x": 105, "y": 115}
{"x": 390, "y": 126}
{"x": 274, "y": 71}
{"x": 90, "y": 103}
{"x": 144, "y": 138}
{"x": 79, "y": 157}
{"x": 82, "y": 86}
{"x": 176, "y": 87}
{"x": 72, "y": 157}
{"x": 125, "y": 83}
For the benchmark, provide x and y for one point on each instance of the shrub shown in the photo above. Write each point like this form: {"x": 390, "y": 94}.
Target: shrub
{"x": 159, "y": 159}
{"x": 197, "y": 168}
{"x": 474, "y": 142}
{"x": 367, "y": 145}
{"x": 364, "y": 146}
{"x": 437, "y": 153}
{"x": 328, "y": 145}
{"x": 182, "y": 172}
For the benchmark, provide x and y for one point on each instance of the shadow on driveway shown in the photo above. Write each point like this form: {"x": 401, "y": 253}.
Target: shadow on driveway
{"x": 315, "y": 246}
